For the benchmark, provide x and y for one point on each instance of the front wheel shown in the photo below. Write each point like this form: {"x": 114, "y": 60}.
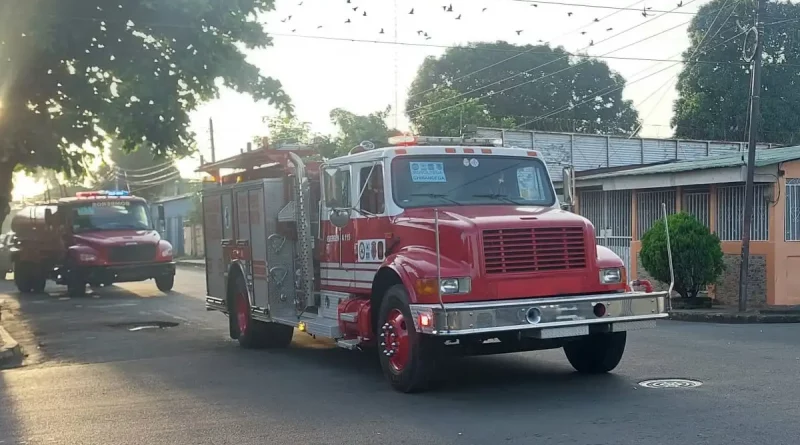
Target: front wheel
{"x": 76, "y": 288}
{"x": 253, "y": 334}
{"x": 407, "y": 357}
{"x": 165, "y": 283}
{"x": 596, "y": 353}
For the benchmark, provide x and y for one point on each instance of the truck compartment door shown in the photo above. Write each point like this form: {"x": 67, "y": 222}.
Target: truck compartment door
{"x": 279, "y": 252}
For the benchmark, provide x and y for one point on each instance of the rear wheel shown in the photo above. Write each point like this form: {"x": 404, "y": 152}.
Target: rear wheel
{"x": 407, "y": 357}
{"x": 165, "y": 283}
{"x": 596, "y": 353}
{"x": 22, "y": 278}
{"x": 253, "y": 334}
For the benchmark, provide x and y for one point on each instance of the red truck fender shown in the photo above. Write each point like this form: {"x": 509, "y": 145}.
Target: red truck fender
{"x": 412, "y": 263}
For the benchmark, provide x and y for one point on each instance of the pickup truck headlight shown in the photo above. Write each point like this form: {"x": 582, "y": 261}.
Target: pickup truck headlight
{"x": 611, "y": 276}
{"x": 166, "y": 251}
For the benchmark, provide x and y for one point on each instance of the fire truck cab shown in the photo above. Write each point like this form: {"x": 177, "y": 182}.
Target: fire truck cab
{"x": 427, "y": 247}
{"x": 96, "y": 238}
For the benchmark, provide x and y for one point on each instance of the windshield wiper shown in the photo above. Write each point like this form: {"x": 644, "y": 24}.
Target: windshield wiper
{"x": 496, "y": 196}
{"x": 437, "y": 195}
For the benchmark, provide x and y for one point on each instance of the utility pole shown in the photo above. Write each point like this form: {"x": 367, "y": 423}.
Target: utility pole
{"x": 211, "y": 135}
{"x": 755, "y": 109}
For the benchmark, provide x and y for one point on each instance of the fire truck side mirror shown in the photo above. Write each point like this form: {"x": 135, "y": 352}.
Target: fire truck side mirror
{"x": 160, "y": 213}
{"x": 340, "y": 217}
{"x": 568, "y": 185}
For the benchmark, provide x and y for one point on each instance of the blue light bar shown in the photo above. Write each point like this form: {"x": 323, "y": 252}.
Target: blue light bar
{"x": 118, "y": 193}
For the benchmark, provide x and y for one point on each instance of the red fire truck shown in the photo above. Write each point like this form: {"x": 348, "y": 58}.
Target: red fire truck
{"x": 424, "y": 248}
{"x": 96, "y": 238}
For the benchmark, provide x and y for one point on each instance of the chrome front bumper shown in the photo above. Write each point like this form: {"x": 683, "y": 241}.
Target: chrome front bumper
{"x": 542, "y": 317}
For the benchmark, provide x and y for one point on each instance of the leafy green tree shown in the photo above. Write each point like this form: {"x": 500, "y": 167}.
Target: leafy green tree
{"x": 451, "y": 121}
{"x": 355, "y": 129}
{"x": 505, "y": 82}
{"x": 77, "y": 71}
{"x": 713, "y": 98}
{"x": 287, "y": 130}
{"x": 696, "y": 254}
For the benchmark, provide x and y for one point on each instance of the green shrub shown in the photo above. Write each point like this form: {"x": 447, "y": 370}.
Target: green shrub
{"x": 696, "y": 254}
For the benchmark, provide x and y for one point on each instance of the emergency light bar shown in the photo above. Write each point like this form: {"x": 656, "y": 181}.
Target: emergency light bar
{"x": 99, "y": 193}
{"x": 407, "y": 140}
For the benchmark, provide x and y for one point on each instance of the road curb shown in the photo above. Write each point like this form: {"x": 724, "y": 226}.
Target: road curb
{"x": 10, "y": 350}
{"x": 730, "y": 317}
{"x": 189, "y": 264}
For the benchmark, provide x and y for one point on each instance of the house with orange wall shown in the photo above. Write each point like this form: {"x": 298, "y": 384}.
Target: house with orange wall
{"x": 623, "y": 203}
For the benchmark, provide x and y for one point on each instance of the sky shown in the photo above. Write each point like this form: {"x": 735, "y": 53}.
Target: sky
{"x": 321, "y": 69}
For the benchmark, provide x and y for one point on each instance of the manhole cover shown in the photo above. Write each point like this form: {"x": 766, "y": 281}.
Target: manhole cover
{"x": 144, "y": 325}
{"x": 670, "y": 383}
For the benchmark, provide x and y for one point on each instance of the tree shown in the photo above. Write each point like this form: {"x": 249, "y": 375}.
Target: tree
{"x": 287, "y": 130}
{"x": 450, "y": 121}
{"x": 77, "y": 71}
{"x": 355, "y": 129}
{"x": 522, "y": 83}
{"x": 696, "y": 254}
{"x": 713, "y": 97}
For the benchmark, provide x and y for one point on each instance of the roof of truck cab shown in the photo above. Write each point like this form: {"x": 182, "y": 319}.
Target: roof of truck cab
{"x": 393, "y": 151}
{"x": 75, "y": 199}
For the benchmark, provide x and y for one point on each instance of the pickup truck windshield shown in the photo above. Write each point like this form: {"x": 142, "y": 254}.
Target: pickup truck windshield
{"x": 110, "y": 215}
{"x": 425, "y": 181}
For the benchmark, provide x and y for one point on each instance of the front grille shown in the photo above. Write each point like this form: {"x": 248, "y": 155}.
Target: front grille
{"x": 533, "y": 249}
{"x": 131, "y": 254}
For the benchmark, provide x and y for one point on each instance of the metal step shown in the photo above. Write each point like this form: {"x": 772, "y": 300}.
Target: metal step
{"x": 350, "y": 317}
{"x": 348, "y": 344}
{"x": 324, "y": 327}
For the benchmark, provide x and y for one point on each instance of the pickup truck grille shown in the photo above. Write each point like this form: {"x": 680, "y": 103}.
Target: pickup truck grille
{"x": 132, "y": 254}
{"x": 533, "y": 249}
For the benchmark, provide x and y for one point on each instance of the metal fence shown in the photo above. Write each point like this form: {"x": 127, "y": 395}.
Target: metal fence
{"x": 697, "y": 203}
{"x": 730, "y": 208}
{"x": 648, "y": 208}
{"x": 610, "y": 213}
{"x": 792, "y": 210}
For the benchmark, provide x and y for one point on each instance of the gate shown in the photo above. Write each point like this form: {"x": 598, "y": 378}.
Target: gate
{"x": 610, "y": 213}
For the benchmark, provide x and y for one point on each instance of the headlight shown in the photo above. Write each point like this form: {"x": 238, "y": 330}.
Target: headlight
{"x": 87, "y": 257}
{"x": 166, "y": 251}
{"x": 455, "y": 285}
{"x": 611, "y": 276}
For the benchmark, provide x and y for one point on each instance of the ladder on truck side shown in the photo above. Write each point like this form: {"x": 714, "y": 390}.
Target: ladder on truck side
{"x": 313, "y": 314}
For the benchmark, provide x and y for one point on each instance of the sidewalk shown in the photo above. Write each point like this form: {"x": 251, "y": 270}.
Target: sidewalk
{"x": 10, "y": 350}
{"x": 786, "y": 314}
{"x": 191, "y": 262}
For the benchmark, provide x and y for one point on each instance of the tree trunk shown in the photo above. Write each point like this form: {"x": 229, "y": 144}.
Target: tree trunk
{"x": 6, "y": 186}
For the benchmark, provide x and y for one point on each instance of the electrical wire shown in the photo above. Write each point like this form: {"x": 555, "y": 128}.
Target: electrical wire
{"x": 617, "y": 8}
{"x": 170, "y": 165}
{"x": 521, "y": 53}
{"x": 545, "y": 64}
{"x": 153, "y": 167}
{"x": 694, "y": 53}
{"x": 166, "y": 177}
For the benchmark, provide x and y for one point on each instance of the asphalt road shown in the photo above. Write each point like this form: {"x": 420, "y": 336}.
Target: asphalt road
{"x": 88, "y": 380}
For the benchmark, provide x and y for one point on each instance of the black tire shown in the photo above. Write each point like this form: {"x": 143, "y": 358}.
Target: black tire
{"x": 256, "y": 334}
{"x": 165, "y": 283}
{"x": 596, "y": 353}
{"x": 22, "y": 278}
{"x": 38, "y": 283}
{"x": 76, "y": 288}
{"x": 419, "y": 365}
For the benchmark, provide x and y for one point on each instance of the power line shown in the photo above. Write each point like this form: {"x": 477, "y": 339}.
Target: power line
{"x": 694, "y": 53}
{"x": 519, "y": 54}
{"x": 166, "y": 167}
{"x": 617, "y": 8}
{"x": 588, "y": 59}
{"x": 541, "y": 66}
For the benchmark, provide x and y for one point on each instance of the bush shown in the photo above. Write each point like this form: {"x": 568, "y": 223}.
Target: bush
{"x": 696, "y": 254}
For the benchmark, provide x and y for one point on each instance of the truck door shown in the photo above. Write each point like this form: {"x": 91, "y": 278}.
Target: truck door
{"x": 371, "y": 223}
{"x": 338, "y": 250}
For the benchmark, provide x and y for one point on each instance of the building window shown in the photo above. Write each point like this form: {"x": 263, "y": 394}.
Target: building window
{"x": 371, "y": 188}
{"x": 792, "y": 210}
{"x": 648, "y": 208}
{"x": 730, "y": 208}
{"x": 696, "y": 203}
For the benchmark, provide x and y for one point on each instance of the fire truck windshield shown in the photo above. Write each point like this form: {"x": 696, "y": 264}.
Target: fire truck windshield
{"x": 110, "y": 215}
{"x": 424, "y": 181}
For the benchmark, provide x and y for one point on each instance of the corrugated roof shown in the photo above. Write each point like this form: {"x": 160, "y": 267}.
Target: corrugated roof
{"x": 764, "y": 157}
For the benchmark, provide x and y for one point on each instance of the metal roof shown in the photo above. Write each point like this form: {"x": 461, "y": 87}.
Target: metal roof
{"x": 764, "y": 157}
